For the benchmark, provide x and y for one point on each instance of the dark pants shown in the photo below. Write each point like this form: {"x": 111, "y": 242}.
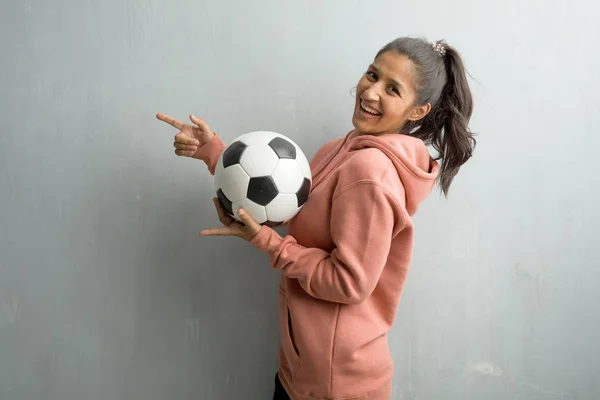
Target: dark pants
{"x": 280, "y": 393}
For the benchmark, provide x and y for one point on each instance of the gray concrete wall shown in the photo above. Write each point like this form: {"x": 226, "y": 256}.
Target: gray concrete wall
{"x": 107, "y": 292}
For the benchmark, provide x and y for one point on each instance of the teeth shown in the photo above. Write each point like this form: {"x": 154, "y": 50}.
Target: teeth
{"x": 369, "y": 110}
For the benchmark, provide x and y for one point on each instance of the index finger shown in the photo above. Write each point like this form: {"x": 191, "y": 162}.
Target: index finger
{"x": 225, "y": 231}
{"x": 170, "y": 120}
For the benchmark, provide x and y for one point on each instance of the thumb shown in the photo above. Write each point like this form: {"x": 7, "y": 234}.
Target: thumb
{"x": 200, "y": 122}
{"x": 247, "y": 220}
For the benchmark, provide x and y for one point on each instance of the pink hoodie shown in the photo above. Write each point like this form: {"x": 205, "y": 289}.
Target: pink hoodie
{"x": 344, "y": 263}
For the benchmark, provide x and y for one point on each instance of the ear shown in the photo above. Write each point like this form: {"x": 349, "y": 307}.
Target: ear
{"x": 419, "y": 112}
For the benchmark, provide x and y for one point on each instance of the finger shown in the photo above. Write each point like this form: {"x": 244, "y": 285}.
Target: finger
{"x": 225, "y": 231}
{"x": 181, "y": 146}
{"x": 200, "y": 122}
{"x": 248, "y": 221}
{"x": 223, "y": 217}
{"x": 185, "y": 139}
{"x": 184, "y": 153}
{"x": 170, "y": 120}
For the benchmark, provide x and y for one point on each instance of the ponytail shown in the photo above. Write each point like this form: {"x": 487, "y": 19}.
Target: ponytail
{"x": 454, "y": 141}
{"x": 442, "y": 82}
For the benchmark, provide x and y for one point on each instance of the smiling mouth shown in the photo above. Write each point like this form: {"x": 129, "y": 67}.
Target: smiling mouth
{"x": 368, "y": 110}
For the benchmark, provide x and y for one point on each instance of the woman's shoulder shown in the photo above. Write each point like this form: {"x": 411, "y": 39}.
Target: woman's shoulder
{"x": 368, "y": 164}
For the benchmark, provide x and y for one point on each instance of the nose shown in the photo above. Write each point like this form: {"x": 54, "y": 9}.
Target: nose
{"x": 371, "y": 93}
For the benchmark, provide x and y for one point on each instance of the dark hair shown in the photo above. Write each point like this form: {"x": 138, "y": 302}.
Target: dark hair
{"x": 441, "y": 81}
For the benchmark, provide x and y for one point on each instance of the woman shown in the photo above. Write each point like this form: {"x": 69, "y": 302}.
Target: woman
{"x": 347, "y": 252}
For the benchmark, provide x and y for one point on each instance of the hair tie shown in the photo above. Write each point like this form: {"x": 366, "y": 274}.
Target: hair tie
{"x": 440, "y": 49}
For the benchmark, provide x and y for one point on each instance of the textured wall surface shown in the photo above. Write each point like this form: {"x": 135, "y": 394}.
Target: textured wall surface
{"x": 106, "y": 290}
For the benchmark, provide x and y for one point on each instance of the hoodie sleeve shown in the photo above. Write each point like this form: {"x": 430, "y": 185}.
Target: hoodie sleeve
{"x": 210, "y": 152}
{"x": 364, "y": 219}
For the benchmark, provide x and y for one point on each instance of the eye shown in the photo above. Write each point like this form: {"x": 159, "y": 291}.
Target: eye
{"x": 371, "y": 75}
{"x": 394, "y": 90}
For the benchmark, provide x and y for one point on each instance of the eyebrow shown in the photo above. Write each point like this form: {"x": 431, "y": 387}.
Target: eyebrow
{"x": 395, "y": 82}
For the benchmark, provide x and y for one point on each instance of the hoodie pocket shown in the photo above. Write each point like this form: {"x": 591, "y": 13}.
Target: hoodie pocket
{"x": 289, "y": 357}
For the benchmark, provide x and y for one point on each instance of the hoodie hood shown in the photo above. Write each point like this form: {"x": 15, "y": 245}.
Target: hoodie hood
{"x": 416, "y": 169}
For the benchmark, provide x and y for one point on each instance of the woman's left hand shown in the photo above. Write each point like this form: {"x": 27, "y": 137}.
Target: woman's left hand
{"x": 246, "y": 231}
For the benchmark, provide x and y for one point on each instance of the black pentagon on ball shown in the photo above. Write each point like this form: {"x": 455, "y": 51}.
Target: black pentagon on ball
{"x": 283, "y": 148}
{"x": 225, "y": 203}
{"x": 303, "y": 192}
{"x": 233, "y": 153}
{"x": 262, "y": 190}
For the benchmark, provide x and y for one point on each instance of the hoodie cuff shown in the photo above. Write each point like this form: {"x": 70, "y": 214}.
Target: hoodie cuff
{"x": 210, "y": 152}
{"x": 266, "y": 240}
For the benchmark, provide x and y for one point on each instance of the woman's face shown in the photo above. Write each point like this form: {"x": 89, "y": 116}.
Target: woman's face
{"x": 385, "y": 96}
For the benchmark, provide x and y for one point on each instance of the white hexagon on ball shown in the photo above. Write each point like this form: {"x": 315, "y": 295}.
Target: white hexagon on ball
{"x": 218, "y": 172}
{"x": 288, "y": 176}
{"x": 303, "y": 163}
{"x": 258, "y": 161}
{"x": 234, "y": 182}
{"x": 282, "y": 208}
{"x": 258, "y": 138}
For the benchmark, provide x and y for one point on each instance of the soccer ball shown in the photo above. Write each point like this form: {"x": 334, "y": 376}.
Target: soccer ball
{"x": 266, "y": 174}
